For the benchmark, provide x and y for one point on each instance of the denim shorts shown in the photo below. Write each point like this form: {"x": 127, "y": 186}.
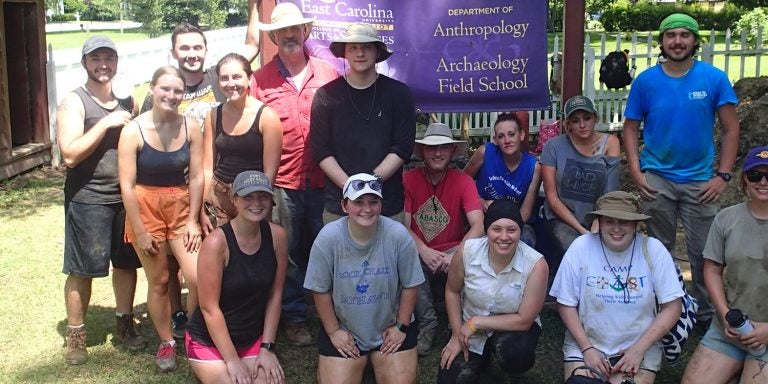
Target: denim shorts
{"x": 715, "y": 340}
{"x": 93, "y": 236}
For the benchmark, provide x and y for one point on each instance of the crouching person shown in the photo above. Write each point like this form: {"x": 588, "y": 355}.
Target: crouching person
{"x": 495, "y": 291}
{"x": 364, "y": 273}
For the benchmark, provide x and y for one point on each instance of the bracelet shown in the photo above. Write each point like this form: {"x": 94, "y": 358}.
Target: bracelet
{"x": 470, "y": 325}
{"x": 588, "y": 348}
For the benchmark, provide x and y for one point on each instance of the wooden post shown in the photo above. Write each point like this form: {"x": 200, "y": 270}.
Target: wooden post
{"x": 573, "y": 51}
{"x": 267, "y": 49}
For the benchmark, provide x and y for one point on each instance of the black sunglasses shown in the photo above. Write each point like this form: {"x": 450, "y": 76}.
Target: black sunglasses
{"x": 754, "y": 176}
{"x": 358, "y": 185}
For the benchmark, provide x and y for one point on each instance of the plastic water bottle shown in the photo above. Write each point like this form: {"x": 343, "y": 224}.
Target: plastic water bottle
{"x": 738, "y": 321}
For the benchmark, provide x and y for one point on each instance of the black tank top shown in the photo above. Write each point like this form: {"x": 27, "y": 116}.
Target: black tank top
{"x": 159, "y": 168}
{"x": 95, "y": 180}
{"x": 238, "y": 153}
{"x": 246, "y": 283}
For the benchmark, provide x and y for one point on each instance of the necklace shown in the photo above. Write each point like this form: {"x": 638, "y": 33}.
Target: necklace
{"x": 367, "y": 117}
{"x": 434, "y": 186}
{"x": 624, "y": 285}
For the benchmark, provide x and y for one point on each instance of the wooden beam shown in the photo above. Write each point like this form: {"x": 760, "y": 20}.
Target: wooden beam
{"x": 573, "y": 48}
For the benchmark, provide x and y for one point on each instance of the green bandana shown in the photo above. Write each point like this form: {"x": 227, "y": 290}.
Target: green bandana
{"x": 678, "y": 20}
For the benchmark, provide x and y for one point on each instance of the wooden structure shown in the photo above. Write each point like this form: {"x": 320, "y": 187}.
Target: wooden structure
{"x": 25, "y": 140}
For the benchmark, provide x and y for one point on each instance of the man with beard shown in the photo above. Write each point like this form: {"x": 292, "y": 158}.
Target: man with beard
{"x": 440, "y": 203}
{"x": 201, "y": 94}
{"x": 288, "y": 84}
{"x": 90, "y": 120}
{"x": 677, "y": 101}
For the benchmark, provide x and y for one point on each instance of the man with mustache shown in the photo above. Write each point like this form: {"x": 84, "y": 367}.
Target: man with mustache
{"x": 440, "y": 202}
{"x": 287, "y": 84}
{"x": 90, "y": 120}
{"x": 677, "y": 101}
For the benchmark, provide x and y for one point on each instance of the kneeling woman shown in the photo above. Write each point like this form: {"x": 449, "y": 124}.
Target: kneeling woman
{"x": 607, "y": 288}
{"x": 736, "y": 276}
{"x": 495, "y": 291}
{"x": 230, "y": 339}
{"x": 364, "y": 272}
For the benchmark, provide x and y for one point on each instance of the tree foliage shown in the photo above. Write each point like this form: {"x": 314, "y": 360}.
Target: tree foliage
{"x": 161, "y": 16}
{"x": 752, "y": 22}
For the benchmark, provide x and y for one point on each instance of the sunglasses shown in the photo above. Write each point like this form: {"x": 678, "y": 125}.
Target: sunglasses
{"x": 358, "y": 185}
{"x": 755, "y": 176}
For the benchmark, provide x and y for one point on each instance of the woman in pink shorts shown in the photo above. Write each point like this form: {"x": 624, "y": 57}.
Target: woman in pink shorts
{"x": 154, "y": 153}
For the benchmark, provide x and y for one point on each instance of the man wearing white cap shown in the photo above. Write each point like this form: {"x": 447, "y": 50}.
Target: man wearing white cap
{"x": 287, "y": 84}
{"x": 90, "y": 120}
{"x": 363, "y": 122}
{"x": 440, "y": 202}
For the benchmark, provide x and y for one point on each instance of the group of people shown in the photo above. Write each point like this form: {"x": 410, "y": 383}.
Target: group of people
{"x": 228, "y": 174}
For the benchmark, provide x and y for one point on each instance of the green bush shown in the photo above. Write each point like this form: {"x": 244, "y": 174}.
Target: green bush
{"x": 624, "y": 15}
{"x": 63, "y": 17}
{"x": 751, "y": 22}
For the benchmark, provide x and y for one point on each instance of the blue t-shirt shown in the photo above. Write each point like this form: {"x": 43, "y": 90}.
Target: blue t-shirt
{"x": 496, "y": 182}
{"x": 678, "y": 117}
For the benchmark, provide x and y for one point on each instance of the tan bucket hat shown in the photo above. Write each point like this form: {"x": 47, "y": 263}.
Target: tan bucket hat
{"x": 360, "y": 33}
{"x": 619, "y": 205}
{"x": 439, "y": 134}
{"x": 285, "y": 15}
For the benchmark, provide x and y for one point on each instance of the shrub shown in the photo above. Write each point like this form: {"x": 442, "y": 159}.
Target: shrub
{"x": 642, "y": 15}
{"x": 751, "y": 22}
{"x": 63, "y": 17}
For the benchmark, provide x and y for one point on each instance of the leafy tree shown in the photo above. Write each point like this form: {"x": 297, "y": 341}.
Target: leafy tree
{"x": 751, "y": 22}
{"x": 749, "y": 4}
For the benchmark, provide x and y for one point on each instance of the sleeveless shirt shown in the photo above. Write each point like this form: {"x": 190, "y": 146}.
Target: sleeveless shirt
{"x": 160, "y": 168}
{"x": 95, "y": 180}
{"x": 496, "y": 182}
{"x": 238, "y": 153}
{"x": 245, "y": 286}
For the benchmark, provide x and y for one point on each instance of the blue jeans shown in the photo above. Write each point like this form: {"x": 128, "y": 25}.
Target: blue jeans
{"x": 300, "y": 212}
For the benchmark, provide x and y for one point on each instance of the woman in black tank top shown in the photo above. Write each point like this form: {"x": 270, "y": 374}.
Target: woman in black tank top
{"x": 241, "y": 134}
{"x": 242, "y": 269}
{"x": 155, "y": 153}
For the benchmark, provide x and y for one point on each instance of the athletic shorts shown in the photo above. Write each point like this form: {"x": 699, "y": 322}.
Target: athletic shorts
{"x": 716, "y": 340}
{"x": 204, "y": 354}
{"x": 163, "y": 211}
{"x": 326, "y": 348}
{"x": 93, "y": 236}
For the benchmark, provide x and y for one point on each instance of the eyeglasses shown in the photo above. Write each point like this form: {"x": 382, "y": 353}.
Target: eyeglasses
{"x": 358, "y": 185}
{"x": 755, "y": 176}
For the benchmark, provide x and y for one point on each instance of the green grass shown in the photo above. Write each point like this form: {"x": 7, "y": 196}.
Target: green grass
{"x": 69, "y": 40}
{"x": 33, "y": 315}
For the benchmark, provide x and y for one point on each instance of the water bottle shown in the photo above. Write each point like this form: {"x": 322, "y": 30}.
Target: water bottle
{"x": 738, "y": 321}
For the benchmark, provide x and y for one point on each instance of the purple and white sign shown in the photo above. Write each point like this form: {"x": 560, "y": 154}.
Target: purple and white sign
{"x": 455, "y": 55}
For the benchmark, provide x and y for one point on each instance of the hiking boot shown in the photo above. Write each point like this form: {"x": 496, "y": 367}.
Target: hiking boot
{"x": 166, "y": 358}
{"x": 126, "y": 333}
{"x": 425, "y": 340}
{"x": 75, "y": 354}
{"x": 178, "y": 324}
{"x": 298, "y": 334}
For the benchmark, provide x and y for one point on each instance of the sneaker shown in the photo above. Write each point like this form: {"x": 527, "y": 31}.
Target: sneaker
{"x": 298, "y": 334}
{"x": 126, "y": 333}
{"x": 166, "y": 358}
{"x": 76, "y": 353}
{"x": 179, "y": 324}
{"x": 425, "y": 340}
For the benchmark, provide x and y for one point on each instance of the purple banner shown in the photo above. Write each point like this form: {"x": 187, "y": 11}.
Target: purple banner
{"x": 455, "y": 55}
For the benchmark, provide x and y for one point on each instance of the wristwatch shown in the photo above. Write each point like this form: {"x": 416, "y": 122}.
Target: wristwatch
{"x": 268, "y": 346}
{"x": 401, "y": 327}
{"x": 725, "y": 176}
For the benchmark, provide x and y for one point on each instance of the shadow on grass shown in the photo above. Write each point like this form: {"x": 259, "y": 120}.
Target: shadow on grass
{"x": 27, "y": 193}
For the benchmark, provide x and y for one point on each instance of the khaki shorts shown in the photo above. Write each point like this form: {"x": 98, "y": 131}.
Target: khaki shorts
{"x": 219, "y": 204}
{"x": 163, "y": 211}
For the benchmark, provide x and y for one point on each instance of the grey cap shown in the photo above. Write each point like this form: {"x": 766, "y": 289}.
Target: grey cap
{"x": 251, "y": 181}
{"x": 95, "y": 42}
{"x": 578, "y": 103}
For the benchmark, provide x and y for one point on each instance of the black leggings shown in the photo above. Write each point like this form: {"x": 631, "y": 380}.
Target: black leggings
{"x": 515, "y": 350}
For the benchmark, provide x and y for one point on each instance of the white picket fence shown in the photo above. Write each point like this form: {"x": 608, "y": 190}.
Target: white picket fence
{"x": 138, "y": 60}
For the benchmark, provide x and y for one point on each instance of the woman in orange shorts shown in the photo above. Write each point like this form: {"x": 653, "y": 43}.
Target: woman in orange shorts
{"x": 162, "y": 209}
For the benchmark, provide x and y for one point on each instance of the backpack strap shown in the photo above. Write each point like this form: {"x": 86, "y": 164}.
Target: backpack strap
{"x": 645, "y": 253}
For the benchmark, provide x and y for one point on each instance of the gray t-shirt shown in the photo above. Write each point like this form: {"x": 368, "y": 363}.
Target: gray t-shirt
{"x": 580, "y": 179}
{"x": 365, "y": 282}
{"x": 738, "y": 240}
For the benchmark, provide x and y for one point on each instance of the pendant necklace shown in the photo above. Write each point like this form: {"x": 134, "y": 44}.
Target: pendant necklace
{"x": 434, "y": 187}
{"x": 625, "y": 284}
{"x": 367, "y": 118}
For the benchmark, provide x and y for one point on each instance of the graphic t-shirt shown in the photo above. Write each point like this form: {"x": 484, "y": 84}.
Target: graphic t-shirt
{"x": 199, "y": 98}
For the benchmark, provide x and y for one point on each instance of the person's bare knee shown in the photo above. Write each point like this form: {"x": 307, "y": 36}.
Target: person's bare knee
{"x": 211, "y": 372}
{"x": 338, "y": 370}
{"x": 397, "y": 368}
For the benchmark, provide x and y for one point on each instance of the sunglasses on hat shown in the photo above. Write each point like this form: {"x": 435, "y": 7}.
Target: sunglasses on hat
{"x": 357, "y": 185}
{"x": 754, "y": 176}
